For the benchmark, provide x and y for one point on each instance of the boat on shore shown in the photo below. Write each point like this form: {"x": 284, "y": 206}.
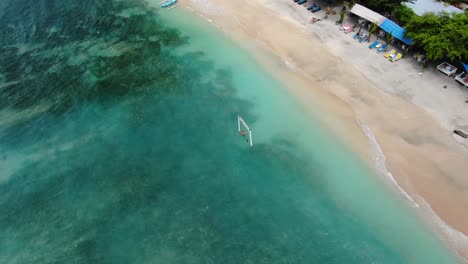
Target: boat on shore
{"x": 168, "y": 3}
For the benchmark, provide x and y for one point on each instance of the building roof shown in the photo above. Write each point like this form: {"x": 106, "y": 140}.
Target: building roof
{"x": 383, "y": 22}
{"x": 367, "y": 14}
{"x": 396, "y": 31}
{"x": 420, "y": 7}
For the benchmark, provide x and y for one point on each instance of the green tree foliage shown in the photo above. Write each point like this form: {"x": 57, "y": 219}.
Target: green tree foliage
{"x": 441, "y": 35}
{"x": 384, "y": 7}
{"x": 349, "y": 3}
{"x": 403, "y": 14}
{"x": 388, "y": 38}
{"x": 342, "y": 14}
{"x": 373, "y": 28}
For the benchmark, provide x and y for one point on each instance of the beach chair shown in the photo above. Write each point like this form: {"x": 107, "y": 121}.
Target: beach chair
{"x": 356, "y": 36}
{"x": 373, "y": 45}
{"x": 390, "y": 54}
{"x": 350, "y": 29}
{"x": 364, "y": 37}
{"x": 397, "y": 57}
{"x": 312, "y": 6}
{"x": 382, "y": 48}
{"x": 462, "y": 78}
{"x": 345, "y": 26}
{"x": 315, "y": 9}
{"x": 315, "y": 20}
{"x": 447, "y": 69}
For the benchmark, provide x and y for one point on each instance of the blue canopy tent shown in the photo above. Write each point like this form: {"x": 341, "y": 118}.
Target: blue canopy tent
{"x": 384, "y": 23}
{"x": 396, "y": 31}
{"x": 465, "y": 65}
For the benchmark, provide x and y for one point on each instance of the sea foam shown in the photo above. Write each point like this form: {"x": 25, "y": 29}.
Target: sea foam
{"x": 378, "y": 157}
{"x": 209, "y": 7}
{"x": 448, "y": 233}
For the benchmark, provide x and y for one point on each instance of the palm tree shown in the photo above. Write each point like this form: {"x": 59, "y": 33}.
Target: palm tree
{"x": 388, "y": 38}
{"x": 342, "y": 14}
{"x": 372, "y": 30}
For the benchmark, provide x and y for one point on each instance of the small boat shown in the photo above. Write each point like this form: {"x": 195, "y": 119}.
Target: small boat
{"x": 461, "y": 133}
{"x": 168, "y": 3}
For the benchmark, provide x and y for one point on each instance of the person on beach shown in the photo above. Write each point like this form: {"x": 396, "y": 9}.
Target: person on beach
{"x": 314, "y": 20}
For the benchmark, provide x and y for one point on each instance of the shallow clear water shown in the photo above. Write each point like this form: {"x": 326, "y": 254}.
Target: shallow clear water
{"x": 118, "y": 144}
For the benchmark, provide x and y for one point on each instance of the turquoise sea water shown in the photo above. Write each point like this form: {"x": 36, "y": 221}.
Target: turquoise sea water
{"x": 118, "y": 144}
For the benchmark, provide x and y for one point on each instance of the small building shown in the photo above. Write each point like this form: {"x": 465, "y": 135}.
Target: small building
{"x": 420, "y": 7}
{"x": 384, "y": 23}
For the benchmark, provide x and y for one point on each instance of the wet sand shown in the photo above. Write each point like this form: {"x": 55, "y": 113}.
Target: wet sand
{"x": 421, "y": 154}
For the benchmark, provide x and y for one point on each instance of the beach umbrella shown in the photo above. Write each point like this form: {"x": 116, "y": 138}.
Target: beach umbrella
{"x": 465, "y": 65}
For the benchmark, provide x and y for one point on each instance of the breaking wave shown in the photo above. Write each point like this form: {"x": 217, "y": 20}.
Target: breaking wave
{"x": 378, "y": 157}
{"x": 447, "y": 232}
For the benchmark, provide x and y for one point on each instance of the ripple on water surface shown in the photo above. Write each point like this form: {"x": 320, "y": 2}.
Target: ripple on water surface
{"x": 119, "y": 145}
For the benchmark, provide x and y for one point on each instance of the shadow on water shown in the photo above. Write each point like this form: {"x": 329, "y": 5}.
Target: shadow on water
{"x": 135, "y": 159}
{"x": 176, "y": 204}
{"x": 48, "y": 57}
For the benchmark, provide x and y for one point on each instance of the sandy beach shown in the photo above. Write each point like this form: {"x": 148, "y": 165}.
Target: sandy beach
{"x": 363, "y": 95}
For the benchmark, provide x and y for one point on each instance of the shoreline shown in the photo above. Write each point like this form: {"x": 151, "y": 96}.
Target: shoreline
{"x": 430, "y": 181}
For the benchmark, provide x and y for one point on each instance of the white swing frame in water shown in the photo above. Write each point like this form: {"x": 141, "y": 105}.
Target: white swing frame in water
{"x": 241, "y": 121}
